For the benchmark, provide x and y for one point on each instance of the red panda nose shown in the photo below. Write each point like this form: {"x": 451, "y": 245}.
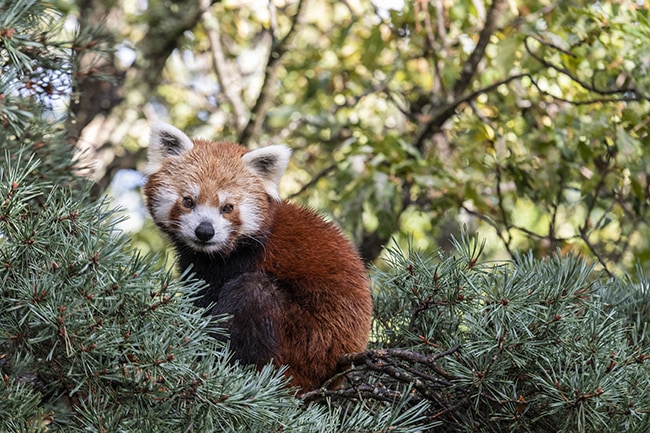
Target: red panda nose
{"x": 204, "y": 231}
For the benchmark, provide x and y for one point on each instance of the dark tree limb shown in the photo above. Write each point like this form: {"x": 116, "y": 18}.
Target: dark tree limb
{"x": 95, "y": 96}
{"x": 399, "y": 365}
{"x": 627, "y": 93}
{"x": 278, "y": 49}
{"x": 166, "y": 28}
{"x": 470, "y": 67}
{"x": 95, "y": 112}
{"x": 229, "y": 82}
{"x": 442, "y": 113}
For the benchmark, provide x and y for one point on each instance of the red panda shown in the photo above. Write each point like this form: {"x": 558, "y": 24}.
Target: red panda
{"x": 294, "y": 288}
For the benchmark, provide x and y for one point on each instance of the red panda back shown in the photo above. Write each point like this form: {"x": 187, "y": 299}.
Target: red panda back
{"x": 322, "y": 274}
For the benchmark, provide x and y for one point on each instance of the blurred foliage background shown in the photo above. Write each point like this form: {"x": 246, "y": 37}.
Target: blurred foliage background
{"x": 525, "y": 120}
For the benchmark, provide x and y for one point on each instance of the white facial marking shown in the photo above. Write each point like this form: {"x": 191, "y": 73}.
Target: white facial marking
{"x": 164, "y": 201}
{"x": 167, "y": 197}
{"x": 250, "y": 217}
{"x": 202, "y": 213}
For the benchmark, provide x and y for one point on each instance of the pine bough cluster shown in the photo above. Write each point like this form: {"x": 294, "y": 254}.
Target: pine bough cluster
{"x": 536, "y": 345}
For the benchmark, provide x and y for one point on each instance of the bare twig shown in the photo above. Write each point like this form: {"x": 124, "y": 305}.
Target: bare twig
{"x": 327, "y": 170}
{"x": 428, "y": 27}
{"x": 441, "y": 33}
{"x": 507, "y": 238}
{"x": 524, "y": 230}
{"x": 362, "y": 392}
{"x": 585, "y": 238}
{"x": 471, "y": 64}
{"x": 398, "y": 364}
{"x": 591, "y": 101}
{"x": 386, "y": 360}
{"x": 444, "y": 112}
{"x": 277, "y": 51}
{"x": 229, "y": 82}
{"x": 583, "y": 230}
{"x": 408, "y": 355}
{"x": 630, "y": 93}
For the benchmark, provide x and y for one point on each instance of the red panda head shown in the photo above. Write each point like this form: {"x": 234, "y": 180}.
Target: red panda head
{"x": 209, "y": 195}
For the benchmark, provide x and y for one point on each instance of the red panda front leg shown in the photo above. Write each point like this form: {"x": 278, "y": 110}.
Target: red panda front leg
{"x": 256, "y": 320}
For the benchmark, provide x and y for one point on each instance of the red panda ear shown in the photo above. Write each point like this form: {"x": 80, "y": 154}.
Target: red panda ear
{"x": 269, "y": 163}
{"x": 166, "y": 141}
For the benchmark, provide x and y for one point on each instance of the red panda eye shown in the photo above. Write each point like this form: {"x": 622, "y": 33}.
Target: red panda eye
{"x": 188, "y": 202}
{"x": 227, "y": 208}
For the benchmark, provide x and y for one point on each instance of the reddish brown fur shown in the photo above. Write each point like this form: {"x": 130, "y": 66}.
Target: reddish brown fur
{"x": 330, "y": 311}
{"x": 307, "y": 282}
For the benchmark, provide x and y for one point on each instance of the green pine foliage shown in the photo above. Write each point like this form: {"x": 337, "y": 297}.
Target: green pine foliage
{"x": 87, "y": 325}
{"x": 36, "y": 66}
{"x": 542, "y": 345}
